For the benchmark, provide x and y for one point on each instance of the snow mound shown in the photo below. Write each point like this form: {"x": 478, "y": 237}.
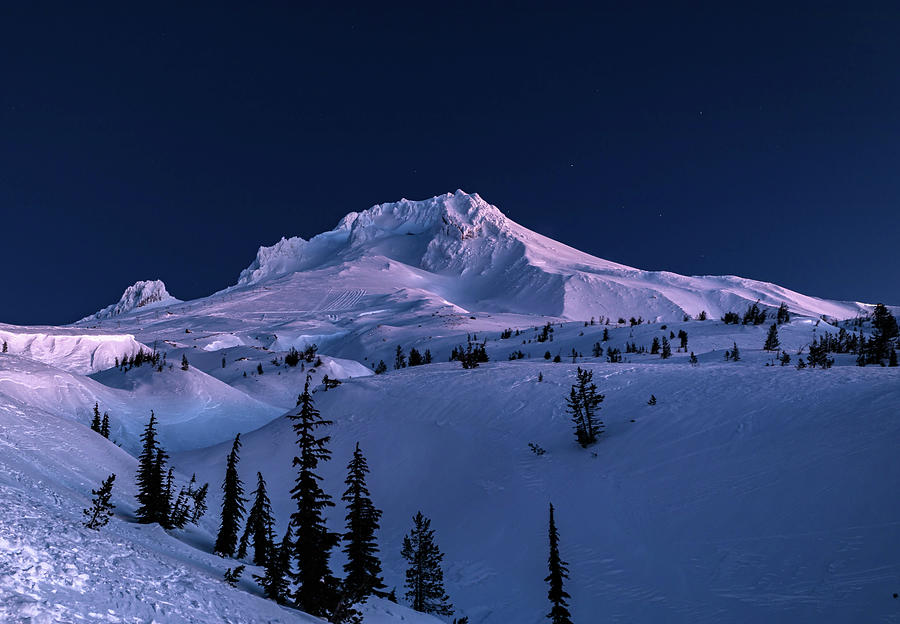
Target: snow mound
{"x": 142, "y": 294}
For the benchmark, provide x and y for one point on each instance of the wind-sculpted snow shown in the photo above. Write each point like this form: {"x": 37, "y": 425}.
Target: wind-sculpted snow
{"x": 74, "y": 350}
{"x": 143, "y": 294}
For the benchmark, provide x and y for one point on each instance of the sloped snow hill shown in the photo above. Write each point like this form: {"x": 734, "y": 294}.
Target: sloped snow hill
{"x": 747, "y": 494}
{"x": 52, "y": 569}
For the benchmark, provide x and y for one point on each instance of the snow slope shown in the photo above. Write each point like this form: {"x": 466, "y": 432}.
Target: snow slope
{"x": 52, "y": 569}
{"x": 194, "y": 409}
{"x": 748, "y": 494}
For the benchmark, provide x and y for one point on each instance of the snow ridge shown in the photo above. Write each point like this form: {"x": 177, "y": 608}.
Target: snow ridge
{"x": 139, "y": 295}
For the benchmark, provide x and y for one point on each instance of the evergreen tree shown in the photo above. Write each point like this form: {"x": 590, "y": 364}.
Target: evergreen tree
{"x": 735, "y": 354}
{"x": 783, "y": 315}
{"x": 184, "y": 363}
{"x": 683, "y": 338}
{"x": 583, "y": 404}
{"x": 381, "y": 368}
{"x": 104, "y": 425}
{"x": 427, "y": 359}
{"x": 199, "y": 497}
{"x": 232, "y": 504}
{"x": 166, "y": 500}
{"x": 180, "y": 510}
{"x": 892, "y": 360}
{"x": 278, "y": 568}
{"x": 652, "y": 400}
{"x": 232, "y": 576}
{"x": 885, "y": 331}
{"x": 95, "y": 421}
{"x": 149, "y": 478}
{"x": 559, "y": 572}
{"x": 818, "y": 355}
{"x": 772, "y": 342}
{"x": 291, "y": 359}
{"x": 101, "y": 506}
{"x": 654, "y": 348}
{"x": 666, "y": 352}
{"x": 424, "y": 576}
{"x": 399, "y": 358}
{"x": 415, "y": 358}
{"x": 754, "y": 315}
{"x": 785, "y": 358}
{"x": 605, "y": 335}
{"x": 317, "y": 591}
{"x": 693, "y": 359}
{"x": 702, "y": 316}
{"x": 363, "y": 569}
{"x": 260, "y": 526}
{"x": 5, "y": 347}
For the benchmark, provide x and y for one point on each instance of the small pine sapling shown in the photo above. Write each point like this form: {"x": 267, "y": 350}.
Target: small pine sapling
{"x": 101, "y": 507}
{"x": 233, "y": 575}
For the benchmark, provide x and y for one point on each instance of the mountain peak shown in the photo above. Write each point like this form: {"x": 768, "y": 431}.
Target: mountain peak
{"x": 464, "y": 212}
{"x": 141, "y": 294}
{"x": 446, "y": 220}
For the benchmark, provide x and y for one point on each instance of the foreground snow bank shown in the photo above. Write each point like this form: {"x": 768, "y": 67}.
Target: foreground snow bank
{"x": 52, "y": 569}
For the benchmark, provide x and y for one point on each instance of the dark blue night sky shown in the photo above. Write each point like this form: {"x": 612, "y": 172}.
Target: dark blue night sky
{"x": 171, "y": 142}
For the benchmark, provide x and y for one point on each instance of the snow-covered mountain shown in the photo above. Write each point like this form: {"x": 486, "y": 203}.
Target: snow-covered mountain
{"x": 434, "y": 268}
{"x": 750, "y": 491}
{"x": 477, "y": 258}
{"x": 142, "y": 294}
